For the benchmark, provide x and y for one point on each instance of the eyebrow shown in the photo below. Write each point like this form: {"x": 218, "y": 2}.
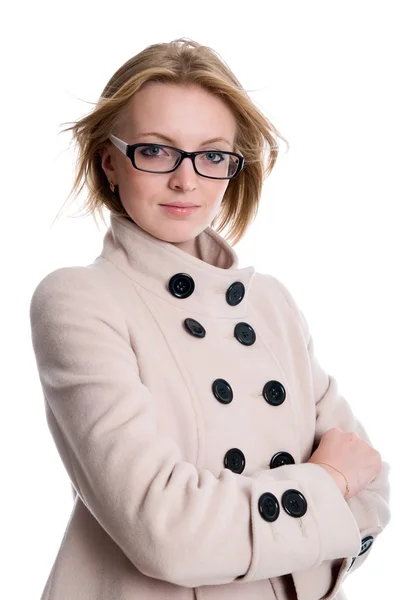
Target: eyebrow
{"x": 165, "y": 137}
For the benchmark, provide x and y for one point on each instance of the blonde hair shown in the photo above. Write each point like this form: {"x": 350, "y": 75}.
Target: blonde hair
{"x": 182, "y": 62}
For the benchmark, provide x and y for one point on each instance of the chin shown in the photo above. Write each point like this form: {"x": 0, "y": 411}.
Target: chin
{"x": 179, "y": 230}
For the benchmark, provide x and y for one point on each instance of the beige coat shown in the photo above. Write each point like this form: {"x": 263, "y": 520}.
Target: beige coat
{"x": 184, "y": 398}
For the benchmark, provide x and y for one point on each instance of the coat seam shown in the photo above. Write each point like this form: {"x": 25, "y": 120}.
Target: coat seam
{"x": 196, "y": 412}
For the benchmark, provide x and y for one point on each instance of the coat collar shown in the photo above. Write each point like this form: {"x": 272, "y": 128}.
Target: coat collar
{"x": 153, "y": 263}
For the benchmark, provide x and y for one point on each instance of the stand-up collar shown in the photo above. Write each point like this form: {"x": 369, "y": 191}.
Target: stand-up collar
{"x": 200, "y": 285}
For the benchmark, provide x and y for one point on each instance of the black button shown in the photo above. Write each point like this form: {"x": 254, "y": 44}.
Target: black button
{"x": 294, "y": 503}
{"x": 280, "y": 459}
{"x": 195, "y": 328}
{"x": 235, "y": 293}
{"x": 222, "y": 391}
{"x": 235, "y": 460}
{"x": 244, "y": 334}
{"x": 269, "y": 507}
{"x": 274, "y": 393}
{"x": 366, "y": 544}
{"x": 181, "y": 285}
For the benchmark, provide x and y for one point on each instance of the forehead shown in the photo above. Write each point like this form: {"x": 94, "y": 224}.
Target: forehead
{"x": 179, "y": 112}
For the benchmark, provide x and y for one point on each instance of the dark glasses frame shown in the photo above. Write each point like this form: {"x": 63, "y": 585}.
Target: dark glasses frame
{"x": 129, "y": 150}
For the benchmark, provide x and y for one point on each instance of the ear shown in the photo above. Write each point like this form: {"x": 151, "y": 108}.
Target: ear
{"x": 106, "y": 162}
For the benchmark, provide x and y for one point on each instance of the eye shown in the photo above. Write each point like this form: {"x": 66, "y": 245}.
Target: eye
{"x": 144, "y": 150}
{"x": 221, "y": 156}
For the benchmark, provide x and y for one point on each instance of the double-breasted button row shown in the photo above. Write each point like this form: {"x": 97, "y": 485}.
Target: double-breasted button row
{"x": 234, "y": 460}
{"x": 365, "y": 545}
{"x": 182, "y": 285}
{"x": 243, "y": 332}
{"x": 273, "y": 392}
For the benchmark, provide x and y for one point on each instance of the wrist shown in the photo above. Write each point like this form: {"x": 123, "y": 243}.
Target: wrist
{"x": 338, "y": 478}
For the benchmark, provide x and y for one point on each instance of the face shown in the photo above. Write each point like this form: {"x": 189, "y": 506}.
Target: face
{"x": 188, "y": 116}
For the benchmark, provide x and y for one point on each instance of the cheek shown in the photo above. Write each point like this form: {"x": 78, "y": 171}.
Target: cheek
{"x": 214, "y": 187}
{"x": 220, "y": 190}
{"x": 144, "y": 184}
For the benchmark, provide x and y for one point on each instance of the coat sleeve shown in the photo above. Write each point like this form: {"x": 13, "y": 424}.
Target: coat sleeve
{"x": 173, "y": 521}
{"x": 370, "y": 506}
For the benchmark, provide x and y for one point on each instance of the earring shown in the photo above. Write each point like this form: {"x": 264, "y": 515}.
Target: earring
{"x": 112, "y": 186}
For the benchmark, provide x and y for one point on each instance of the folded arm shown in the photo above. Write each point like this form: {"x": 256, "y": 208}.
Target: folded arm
{"x": 370, "y": 506}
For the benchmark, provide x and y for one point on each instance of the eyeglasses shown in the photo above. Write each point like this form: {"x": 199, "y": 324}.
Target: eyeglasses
{"x": 159, "y": 158}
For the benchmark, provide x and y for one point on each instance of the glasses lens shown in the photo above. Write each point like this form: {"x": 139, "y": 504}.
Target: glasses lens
{"x": 209, "y": 163}
{"x": 155, "y": 158}
{"x": 213, "y": 163}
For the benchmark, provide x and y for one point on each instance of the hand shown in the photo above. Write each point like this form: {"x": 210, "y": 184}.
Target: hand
{"x": 347, "y": 452}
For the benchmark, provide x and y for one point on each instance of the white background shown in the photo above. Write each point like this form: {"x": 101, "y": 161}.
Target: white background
{"x": 327, "y": 74}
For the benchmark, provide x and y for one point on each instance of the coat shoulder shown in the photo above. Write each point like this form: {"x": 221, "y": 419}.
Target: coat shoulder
{"x": 272, "y": 292}
{"x": 273, "y": 285}
{"x": 68, "y": 282}
{"x": 269, "y": 286}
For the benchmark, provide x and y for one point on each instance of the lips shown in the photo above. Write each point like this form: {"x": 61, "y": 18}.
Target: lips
{"x": 179, "y": 210}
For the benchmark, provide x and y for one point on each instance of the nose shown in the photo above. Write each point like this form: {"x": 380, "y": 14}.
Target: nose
{"x": 185, "y": 175}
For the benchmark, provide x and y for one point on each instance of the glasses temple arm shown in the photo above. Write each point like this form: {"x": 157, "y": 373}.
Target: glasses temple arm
{"x": 119, "y": 144}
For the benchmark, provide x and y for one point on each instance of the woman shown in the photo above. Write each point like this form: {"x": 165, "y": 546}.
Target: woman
{"x": 210, "y": 454}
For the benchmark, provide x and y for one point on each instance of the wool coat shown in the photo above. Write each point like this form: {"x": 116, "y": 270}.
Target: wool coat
{"x": 184, "y": 398}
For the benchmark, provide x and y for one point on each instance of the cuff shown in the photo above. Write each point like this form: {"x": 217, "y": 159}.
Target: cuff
{"x": 299, "y": 519}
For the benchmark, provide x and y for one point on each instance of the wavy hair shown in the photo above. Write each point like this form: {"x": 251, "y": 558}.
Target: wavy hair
{"x": 182, "y": 62}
